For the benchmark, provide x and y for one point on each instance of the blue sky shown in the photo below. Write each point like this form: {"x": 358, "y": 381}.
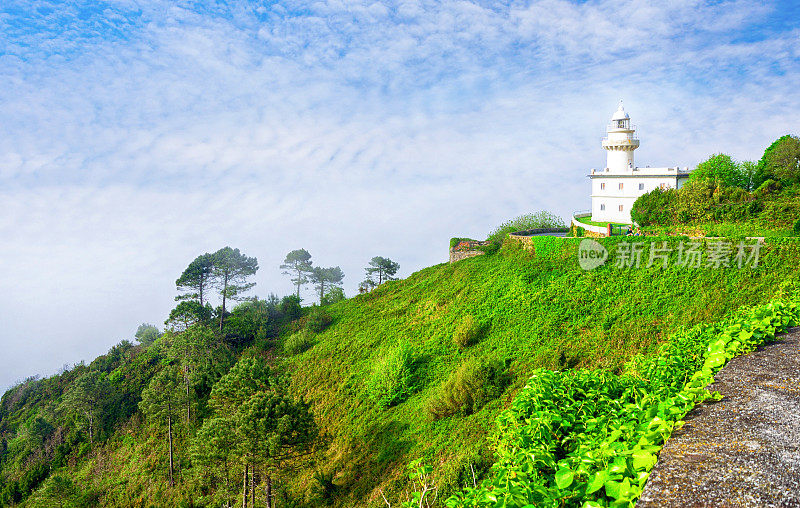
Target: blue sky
{"x": 136, "y": 134}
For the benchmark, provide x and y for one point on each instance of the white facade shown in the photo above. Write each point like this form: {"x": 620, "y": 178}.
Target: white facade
{"x": 616, "y": 187}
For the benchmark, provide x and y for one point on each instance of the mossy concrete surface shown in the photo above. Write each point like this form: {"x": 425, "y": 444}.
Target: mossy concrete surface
{"x": 744, "y": 450}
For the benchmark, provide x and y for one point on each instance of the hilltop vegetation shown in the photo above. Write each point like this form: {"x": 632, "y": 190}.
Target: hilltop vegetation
{"x": 416, "y": 369}
{"x": 270, "y": 403}
{"x": 726, "y": 198}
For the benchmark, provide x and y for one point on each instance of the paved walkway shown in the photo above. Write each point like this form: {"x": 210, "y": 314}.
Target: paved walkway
{"x": 743, "y": 451}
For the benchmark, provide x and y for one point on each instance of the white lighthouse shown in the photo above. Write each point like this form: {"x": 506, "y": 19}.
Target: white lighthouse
{"x": 616, "y": 187}
{"x": 620, "y": 142}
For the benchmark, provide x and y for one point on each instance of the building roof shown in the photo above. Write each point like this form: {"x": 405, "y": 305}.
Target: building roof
{"x": 620, "y": 113}
{"x": 644, "y": 172}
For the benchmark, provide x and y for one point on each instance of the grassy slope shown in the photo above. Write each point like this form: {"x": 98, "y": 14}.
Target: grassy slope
{"x": 541, "y": 311}
{"x": 590, "y": 222}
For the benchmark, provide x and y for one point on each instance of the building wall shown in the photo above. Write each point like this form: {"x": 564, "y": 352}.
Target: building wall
{"x": 612, "y": 212}
{"x": 606, "y": 191}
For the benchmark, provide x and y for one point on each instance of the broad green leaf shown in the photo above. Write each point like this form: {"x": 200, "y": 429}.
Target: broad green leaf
{"x": 564, "y": 478}
{"x": 643, "y": 459}
{"x": 599, "y": 479}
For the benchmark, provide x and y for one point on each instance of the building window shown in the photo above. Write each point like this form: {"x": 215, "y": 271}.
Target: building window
{"x": 620, "y": 208}
{"x": 641, "y": 186}
{"x": 620, "y": 186}
{"x": 602, "y": 206}
{"x": 602, "y": 186}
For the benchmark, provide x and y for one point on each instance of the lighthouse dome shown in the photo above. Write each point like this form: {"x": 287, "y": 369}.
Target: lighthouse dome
{"x": 620, "y": 113}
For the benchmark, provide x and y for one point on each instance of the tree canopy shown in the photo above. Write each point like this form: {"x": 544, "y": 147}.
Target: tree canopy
{"x": 381, "y": 268}
{"x": 781, "y": 161}
{"x": 146, "y": 334}
{"x": 231, "y": 270}
{"x": 256, "y": 420}
{"x": 297, "y": 264}
{"x": 161, "y": 403}
{"x": 196, "y": 279}
{"x": 723, "y": 168}
{"x": 325, "y": 279}
{"x": 86, "y": 397}
{"x": 187, "y": 314}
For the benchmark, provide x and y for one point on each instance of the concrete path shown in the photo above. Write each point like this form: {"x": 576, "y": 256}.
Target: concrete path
{"x": 743, "y": 451}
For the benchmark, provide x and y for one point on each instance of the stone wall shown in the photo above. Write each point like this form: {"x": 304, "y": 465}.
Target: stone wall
{"x": 466, "y": 249}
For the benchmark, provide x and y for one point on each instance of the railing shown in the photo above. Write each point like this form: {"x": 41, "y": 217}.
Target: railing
{"x": 601, "y": 230}
{"x": 628, "y": 141}
{"x": 612, "y": 127}
{"x": 619, "y": 230}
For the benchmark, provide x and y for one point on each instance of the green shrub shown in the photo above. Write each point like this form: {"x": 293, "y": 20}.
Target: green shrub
{"x": 290, "y": 307}
{"x": 579, "y": 232}
{"x": 476, "y": 382}
{"x": 467, "y": 332}
{"x": 722, "y": 168}
{"x": 489, "y": 249}
{"x": 298, "y": 342}
{"x": 590, "y": 437}
{"x": 797, "y": 226}
{"x": 535, "y": 220}
{"x": 336, "y": 294}
{"x": 317, "y": 320}
{"x": 768, "y": 187}
{"x": 393, "y": 377}
{"x": 655, "y": 207}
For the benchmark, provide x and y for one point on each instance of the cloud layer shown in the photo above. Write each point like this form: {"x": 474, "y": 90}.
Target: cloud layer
{"x": 136, "y": 134}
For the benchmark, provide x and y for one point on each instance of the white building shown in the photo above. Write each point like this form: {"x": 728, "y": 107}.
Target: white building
{"x": 615, "y": 188}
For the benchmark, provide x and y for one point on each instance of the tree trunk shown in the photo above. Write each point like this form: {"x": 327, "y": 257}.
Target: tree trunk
{"x": 244, "y": 488}
{"x": 201, "y": 290}
{"x": 224, "y": 295}
{"x": 169, "y": 433}
{"x": 269, "y": 491}
{"x": 299, "y": 278}
{"x": 188, "y": 401}
{"x": 253, "y": 485}
{"x": 91, "y": 430}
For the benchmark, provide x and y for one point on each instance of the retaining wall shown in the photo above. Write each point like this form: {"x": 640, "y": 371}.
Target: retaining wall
{"x": 466, "y": 249}
{"x": 590, "y": 231}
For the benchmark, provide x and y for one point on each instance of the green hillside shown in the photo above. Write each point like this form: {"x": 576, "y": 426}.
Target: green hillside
{"x": 416, "y": 369}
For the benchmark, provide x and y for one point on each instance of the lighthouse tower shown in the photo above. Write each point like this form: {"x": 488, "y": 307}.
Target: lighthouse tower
{"x": 616, "y": 187}
{"x": 620, "y": 142}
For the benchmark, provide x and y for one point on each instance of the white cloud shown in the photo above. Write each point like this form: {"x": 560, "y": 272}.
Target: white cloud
{"x": 146, "y": 132}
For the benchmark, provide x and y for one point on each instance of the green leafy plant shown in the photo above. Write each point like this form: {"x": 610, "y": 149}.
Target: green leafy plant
{"x": 393, "y": 376}
{"x": 317, "y": 320}
{"x": 542, "y": 219}
{"x": 589, "y": 438}
{"x": 298, "y": 342}
{"x": 476, "y": 382}
{"x": 655, "y": 207}
{"x": 467, "y": 332}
